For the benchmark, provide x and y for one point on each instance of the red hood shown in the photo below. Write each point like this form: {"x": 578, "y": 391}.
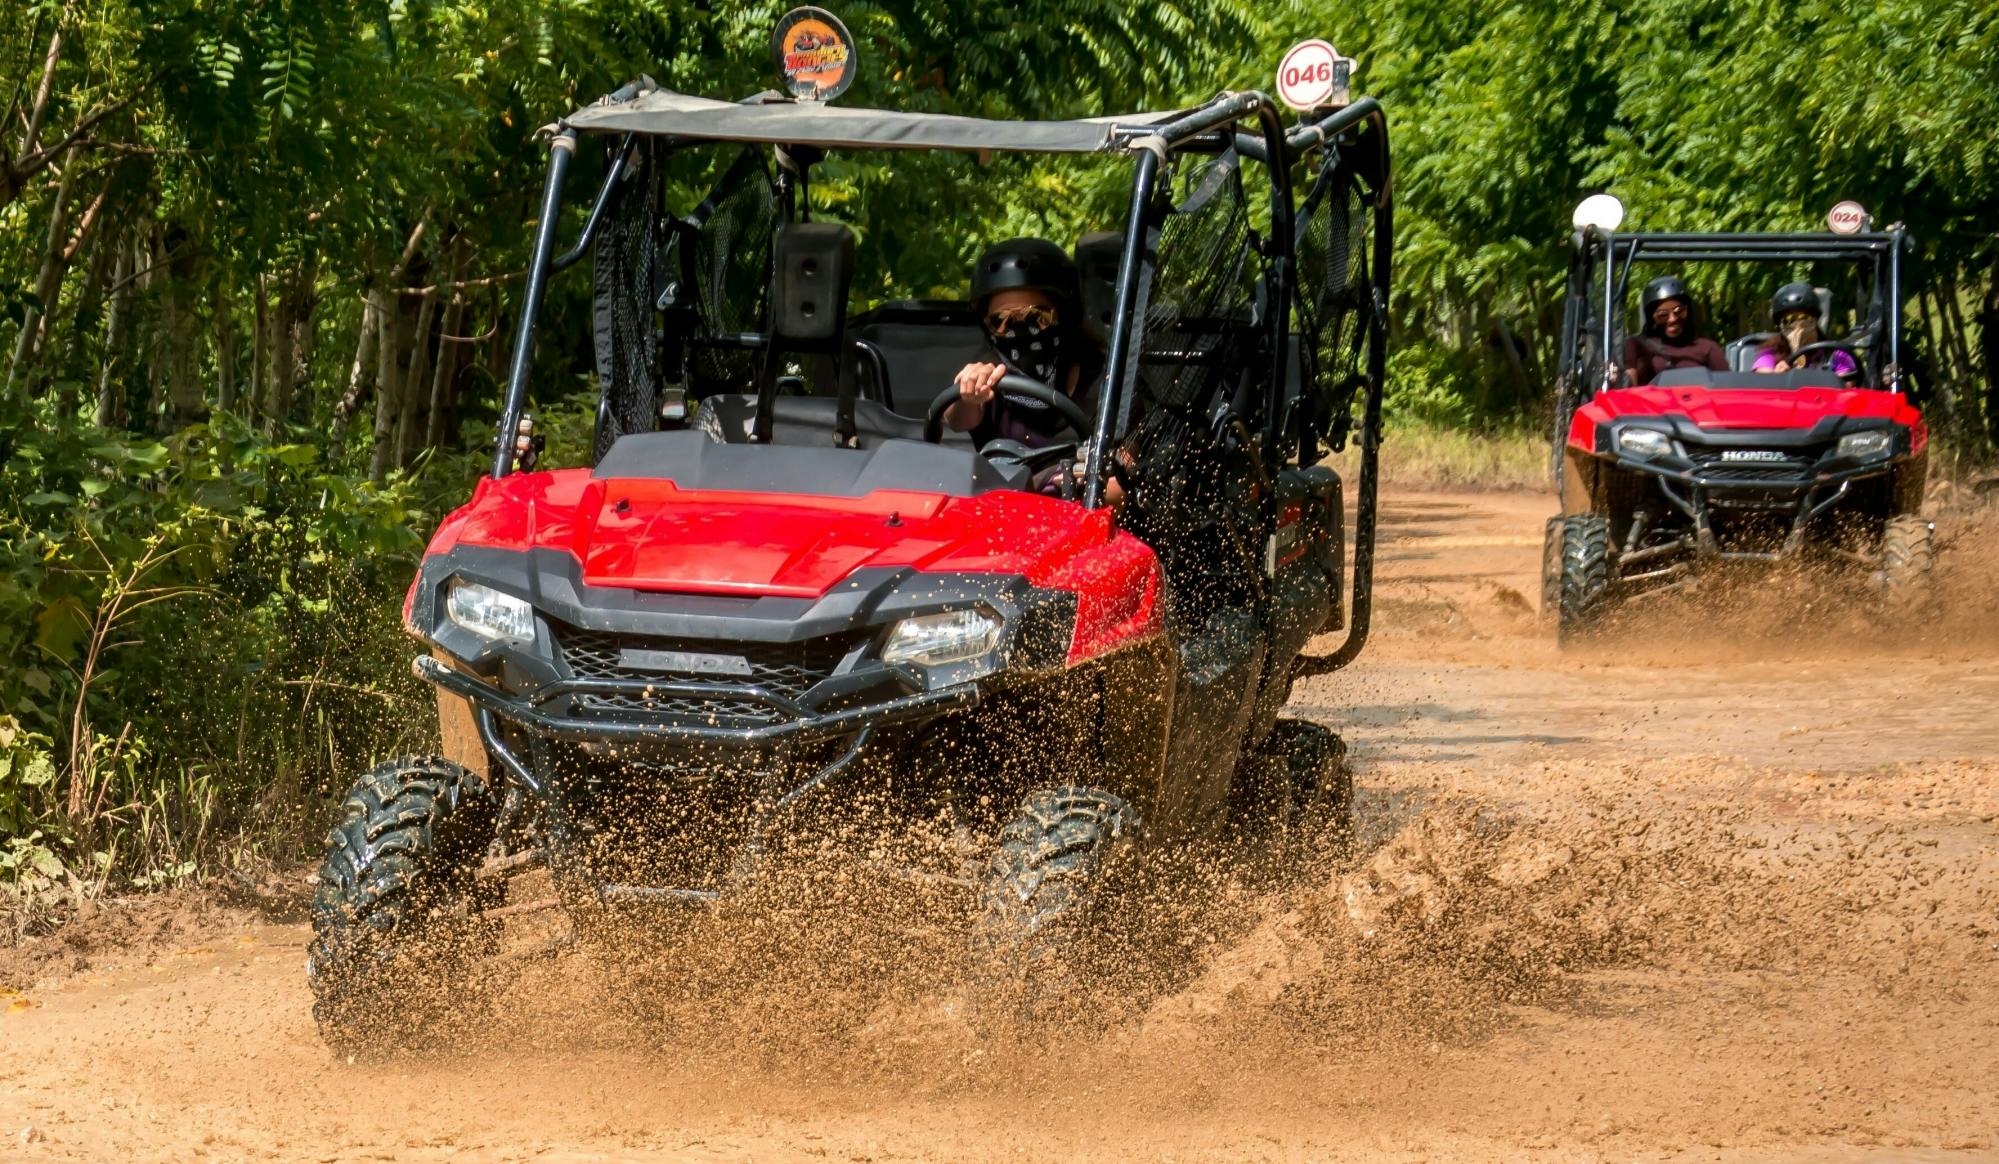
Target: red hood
{"x": 651, "y": 535}
{"x": 1744, "y": 408}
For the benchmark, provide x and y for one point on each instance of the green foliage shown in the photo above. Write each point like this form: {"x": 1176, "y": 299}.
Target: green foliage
{"x": 1701, "y": 115}
{"x": 202, "y": 637}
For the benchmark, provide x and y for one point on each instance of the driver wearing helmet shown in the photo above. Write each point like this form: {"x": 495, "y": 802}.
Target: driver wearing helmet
{"x": 1026, "y": 292}
{"x": 1669, "y": 340}
{"x": 1794, "y": 312}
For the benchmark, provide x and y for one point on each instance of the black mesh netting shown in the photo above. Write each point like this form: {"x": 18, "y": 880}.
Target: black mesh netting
{"x": 716, "y": 265}
{"x": 626, "y": 274}
{"x": 1335, "y": 238}
{"x": 1193, "y": 502}
{"x": 1198, "y": 310}
{"x": 725, "y": 257}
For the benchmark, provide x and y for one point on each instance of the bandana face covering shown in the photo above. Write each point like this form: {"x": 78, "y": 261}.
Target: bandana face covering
{"x": 1800, "y": 332}
{"x": 1034, "y": 350}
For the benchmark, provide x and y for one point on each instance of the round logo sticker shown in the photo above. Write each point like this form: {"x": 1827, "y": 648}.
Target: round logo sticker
{"x": 813, "y": 53}
{"x": 1847, "y": 217}
{"x": 1313, "y": 74}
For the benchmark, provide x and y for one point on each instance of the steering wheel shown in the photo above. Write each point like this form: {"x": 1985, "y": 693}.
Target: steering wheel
{"x": 1849, "y": 348}
{"x": 1011, "y": 384}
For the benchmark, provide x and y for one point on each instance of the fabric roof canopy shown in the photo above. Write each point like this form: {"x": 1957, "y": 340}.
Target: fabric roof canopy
{"x": 781, "y": 122}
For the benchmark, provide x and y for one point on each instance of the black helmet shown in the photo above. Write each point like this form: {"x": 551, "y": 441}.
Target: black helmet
{"x": 1025, "y": 262}
{"x": 1793, "y": 297}
{"x": 1658, "y": 291}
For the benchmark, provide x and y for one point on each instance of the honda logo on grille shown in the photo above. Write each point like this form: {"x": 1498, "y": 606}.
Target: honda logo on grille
{"x": 1753, "y": 455}
{"x": 683, "y": 662}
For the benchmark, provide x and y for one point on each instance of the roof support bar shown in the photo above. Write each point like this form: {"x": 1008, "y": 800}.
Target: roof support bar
{"x": 561, "y": 151}
{"x": 1120, "y": 370}
{"x": 620, "y": 162}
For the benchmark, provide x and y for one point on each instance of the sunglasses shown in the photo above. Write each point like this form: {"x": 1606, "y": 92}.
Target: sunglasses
{"x": 1670, "y": 311}
{"x": 1798, "y": 317}
{"x": 1027, "y": 314}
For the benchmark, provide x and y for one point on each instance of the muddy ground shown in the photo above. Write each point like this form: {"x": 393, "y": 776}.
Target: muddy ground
{"x": 1721, "y": 887}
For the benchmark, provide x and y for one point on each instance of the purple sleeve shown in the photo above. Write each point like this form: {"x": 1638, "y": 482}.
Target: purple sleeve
{"x": 1843, "y": 365}
{"x": 1765, "y": 362}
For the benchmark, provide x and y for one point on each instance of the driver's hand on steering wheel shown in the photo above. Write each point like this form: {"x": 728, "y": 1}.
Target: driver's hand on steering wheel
{"x": 975, "y": 390}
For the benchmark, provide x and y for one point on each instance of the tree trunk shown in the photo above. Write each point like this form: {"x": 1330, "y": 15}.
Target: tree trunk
{"x": 225, "y": 348}
{"x": 447, "y": 367}
{"x": 1524, "y": 382}
{"x": 1960, "y": 335}
{"x": 186, "y": 402}
{"x": 48, "y": 282}
{"x": 89, "y": 305}
{"x": 1932, "y": 368}
{"x": 39, "y": 111}
{"x": 110, "y": 385}
{"x": 359, "y": 376}
{"x": 291, "y": 362}
{"x": 1988, "y": 350}
{"x": 260, "y": 345}
{"x": 389, "y": 383}
{"x": 151, "y": 348}
{"x": 278, "y": 378}
{"x": 409, "y": 422}
{"x": 307, "y": 328}
{"x": 447, "y": 352}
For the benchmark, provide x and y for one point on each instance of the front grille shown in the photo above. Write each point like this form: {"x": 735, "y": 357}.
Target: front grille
{"x": 784, "y": 669}
{"x": 1795, "y": 468}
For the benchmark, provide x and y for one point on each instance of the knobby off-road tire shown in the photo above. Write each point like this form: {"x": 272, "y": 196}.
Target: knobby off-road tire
{"x": 1584, "y": 585}
{"x": 1320, "y": 822}
{"x": 1040, "y": 890}
{"x": 1292, "y": 803}
{"x": 395, "y": 931}
{"x": 1908, "y": 553}
{"x": 1551, "y": 569}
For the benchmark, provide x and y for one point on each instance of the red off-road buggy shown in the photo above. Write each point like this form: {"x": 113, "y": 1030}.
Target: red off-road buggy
{"x": 1700, "y": 469}
{"x": 657, "y": 671}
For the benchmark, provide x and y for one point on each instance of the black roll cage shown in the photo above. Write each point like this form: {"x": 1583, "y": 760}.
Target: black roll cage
{"x": 1214, "y": 127}
{"x": 1591, "y": 249}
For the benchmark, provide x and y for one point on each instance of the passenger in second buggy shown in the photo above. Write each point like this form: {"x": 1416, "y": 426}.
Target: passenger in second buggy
{"x": 1794, "y": 312}
{"x": 1669, "y": 340}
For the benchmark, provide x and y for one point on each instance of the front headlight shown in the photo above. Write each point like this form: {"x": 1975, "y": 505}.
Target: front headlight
{"x": 934, "y": 640}
{"x": 1643, "y": 442}
{"x": 488, "y": 613}
{"x": 1860, "y": 445}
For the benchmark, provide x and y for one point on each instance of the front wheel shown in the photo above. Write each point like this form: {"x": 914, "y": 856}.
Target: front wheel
{"x": 1908, "y": 553}
{"x": 1040, "y": 888}
{"x": 1582, "y": 584}
{"x": 395, "y": 916}
{"x": 1551, "y": 568}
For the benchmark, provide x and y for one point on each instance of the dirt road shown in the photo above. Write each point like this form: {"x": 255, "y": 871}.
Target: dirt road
{"x": 1719, "y": 888}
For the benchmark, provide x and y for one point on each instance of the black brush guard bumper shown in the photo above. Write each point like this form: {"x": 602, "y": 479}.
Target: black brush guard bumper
{"x": 801, "y": 725}
{"x": 1699, "y": 491}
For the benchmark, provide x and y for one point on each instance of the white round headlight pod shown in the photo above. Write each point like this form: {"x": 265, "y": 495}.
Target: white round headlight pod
{"x": 1602, "y": 211}
{"x": 487, "y": 612}
{"x": 1865, "y": 444}
{"x": 949, "y": 636}
{"x": 1643, "y": 442}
